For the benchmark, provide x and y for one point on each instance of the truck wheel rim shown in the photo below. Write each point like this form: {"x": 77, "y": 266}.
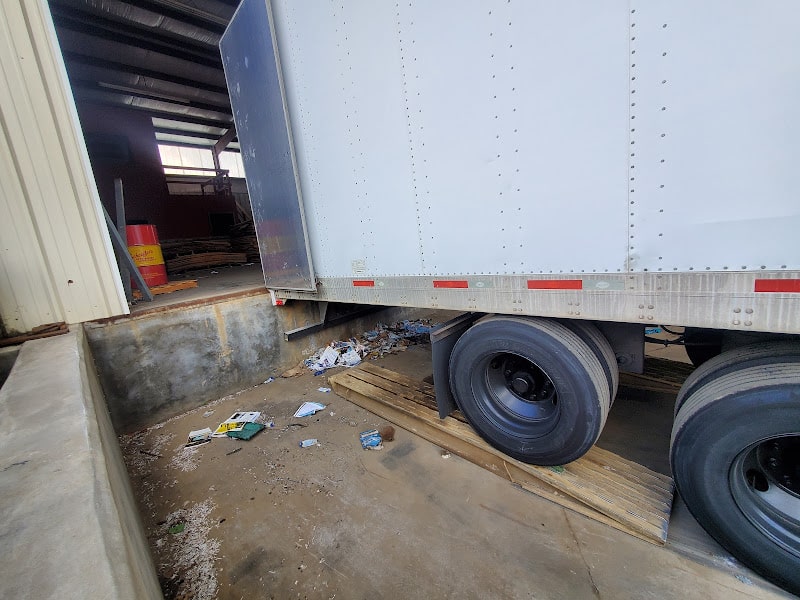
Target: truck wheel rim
{"x": 765, "y": 483}
{"x": 519, "y": 390}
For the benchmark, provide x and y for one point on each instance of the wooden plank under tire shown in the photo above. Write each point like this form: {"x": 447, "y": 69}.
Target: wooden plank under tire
{"x": 600, "y": 485}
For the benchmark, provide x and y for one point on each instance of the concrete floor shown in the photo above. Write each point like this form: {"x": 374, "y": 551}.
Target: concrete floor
{"x": 268, "y": 519}
{"x": 211, "y": 283}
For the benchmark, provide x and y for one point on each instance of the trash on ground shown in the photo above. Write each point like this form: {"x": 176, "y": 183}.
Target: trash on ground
{"x": 199, "y": 436}
{"x": 208, "y": 413}
{"x": 329, "y": 357}
{"x": 247, "y": 431}
{"x": 324, "y": 390}
{"x": 177, "y": 528}
{"x": 445, "y": 454}
{"x": 295, "y": 371}
{"x": 270, "y": 380}
{"x": 235, "y": 422}
{"x": 387, "y": 433}
{"x": 233, "y": 451}
{"x": 370, "y": 439}
{"x": 308, "y": 443}
{"x": 350, "y": 358}
{"x": 384, "y": 339}
{"x": 308, "y": 408}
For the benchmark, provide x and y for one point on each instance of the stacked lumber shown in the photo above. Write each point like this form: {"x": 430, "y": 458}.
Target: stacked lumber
{"x": 168, "y": 288}
{"x": 175, "y": 248}
{"x": 660, "y": 375}
{"x": 243, "y": 239}
{"x": 205, "y": 260}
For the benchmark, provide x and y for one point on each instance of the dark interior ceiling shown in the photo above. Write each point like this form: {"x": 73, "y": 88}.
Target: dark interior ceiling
{"x": 156, "y": 56}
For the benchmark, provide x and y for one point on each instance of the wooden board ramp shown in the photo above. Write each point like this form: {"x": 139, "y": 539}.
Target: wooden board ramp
{"x": 601, "y": 485}
{"x": 660, "y": 375}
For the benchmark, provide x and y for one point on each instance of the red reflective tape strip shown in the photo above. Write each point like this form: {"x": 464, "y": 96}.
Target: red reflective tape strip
{"x": 363, "y": 283}
{"x": 457, "y": 283}
{"x": 777, "y": 285}
{"x": 555, "y": 284}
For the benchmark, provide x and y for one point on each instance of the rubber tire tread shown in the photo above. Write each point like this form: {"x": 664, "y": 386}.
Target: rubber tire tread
{"x": 566, "y": 350}
{"x": 715, "y": 424}
{"x": 751, "y": 355}
{"x": 598, "y": 342}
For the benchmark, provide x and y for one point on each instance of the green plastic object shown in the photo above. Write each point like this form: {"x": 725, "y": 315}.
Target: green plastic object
{"x": 177, "y": 528}
{"x": 248, "y": 431}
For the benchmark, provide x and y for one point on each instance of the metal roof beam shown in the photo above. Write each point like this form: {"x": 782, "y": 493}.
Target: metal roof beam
{"x": 184, "y": 13}
{"x": 148, "y": 95}
{"x": 187, "y": 133}
{"x": 123, "y": 34}
{"x": 162, "y": 114}
{"x": 137, "y": 70}
{"x": 185, "y": 145}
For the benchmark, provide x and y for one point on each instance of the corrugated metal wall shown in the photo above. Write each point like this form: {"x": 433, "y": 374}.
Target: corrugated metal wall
{"x": 56, "y": 260}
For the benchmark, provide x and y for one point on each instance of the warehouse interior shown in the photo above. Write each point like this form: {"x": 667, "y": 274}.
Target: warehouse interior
{"x": 152, "y": 104}
{"x": 154, "y": 109}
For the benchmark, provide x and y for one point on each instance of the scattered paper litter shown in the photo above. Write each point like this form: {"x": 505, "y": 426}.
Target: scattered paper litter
{"x": 384, "y": 339}
{"x": 235, "y": 422}
{"x": 200, "y": 436}
{"x": 324, "y": 390}
{"x": 308, "y": 408}
{"x": 371, "y": 439}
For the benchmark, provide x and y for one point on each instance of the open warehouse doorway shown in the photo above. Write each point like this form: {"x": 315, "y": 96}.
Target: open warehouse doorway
{"x": 154, "y": 109}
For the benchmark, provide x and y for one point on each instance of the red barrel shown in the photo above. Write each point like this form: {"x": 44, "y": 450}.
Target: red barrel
{"x": 146, "y": 252}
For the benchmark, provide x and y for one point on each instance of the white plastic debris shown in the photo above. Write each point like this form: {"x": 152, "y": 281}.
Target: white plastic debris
{"x": 350, "y": 358}
{"x": 324, "y": 390}
{"x": 329, "y": 357}
{"x": 308, "y": 408}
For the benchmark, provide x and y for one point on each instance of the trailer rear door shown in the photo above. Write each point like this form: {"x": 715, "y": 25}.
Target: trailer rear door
{"x": 250, "y": 54}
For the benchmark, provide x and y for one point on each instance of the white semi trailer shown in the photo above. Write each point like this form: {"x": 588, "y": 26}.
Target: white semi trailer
{"x": 566, "y": 172}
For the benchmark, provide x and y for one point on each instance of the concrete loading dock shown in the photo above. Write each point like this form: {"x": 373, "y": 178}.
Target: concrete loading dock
{"x": 337, "y": 521}
{"x": 276, "y": 520}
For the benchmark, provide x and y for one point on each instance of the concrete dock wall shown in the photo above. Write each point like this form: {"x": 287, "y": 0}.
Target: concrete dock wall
{"x": 159, "y": 364}
{"x": 68, "y": 519}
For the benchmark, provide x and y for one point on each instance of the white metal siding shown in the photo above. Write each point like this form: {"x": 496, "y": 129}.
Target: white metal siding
{"x": 715, "y": 135}
{"x": 56, "y": 261}
{"x": 465, "y": 137}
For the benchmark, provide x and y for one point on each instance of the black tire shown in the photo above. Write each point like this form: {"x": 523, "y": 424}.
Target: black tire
{"x": 531, "y": 388}
{"x": 735, "y": 458}
{"x": 599, "y": 344}
{"x": 752, "y": 355}
{"x": 701, "y": 344}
